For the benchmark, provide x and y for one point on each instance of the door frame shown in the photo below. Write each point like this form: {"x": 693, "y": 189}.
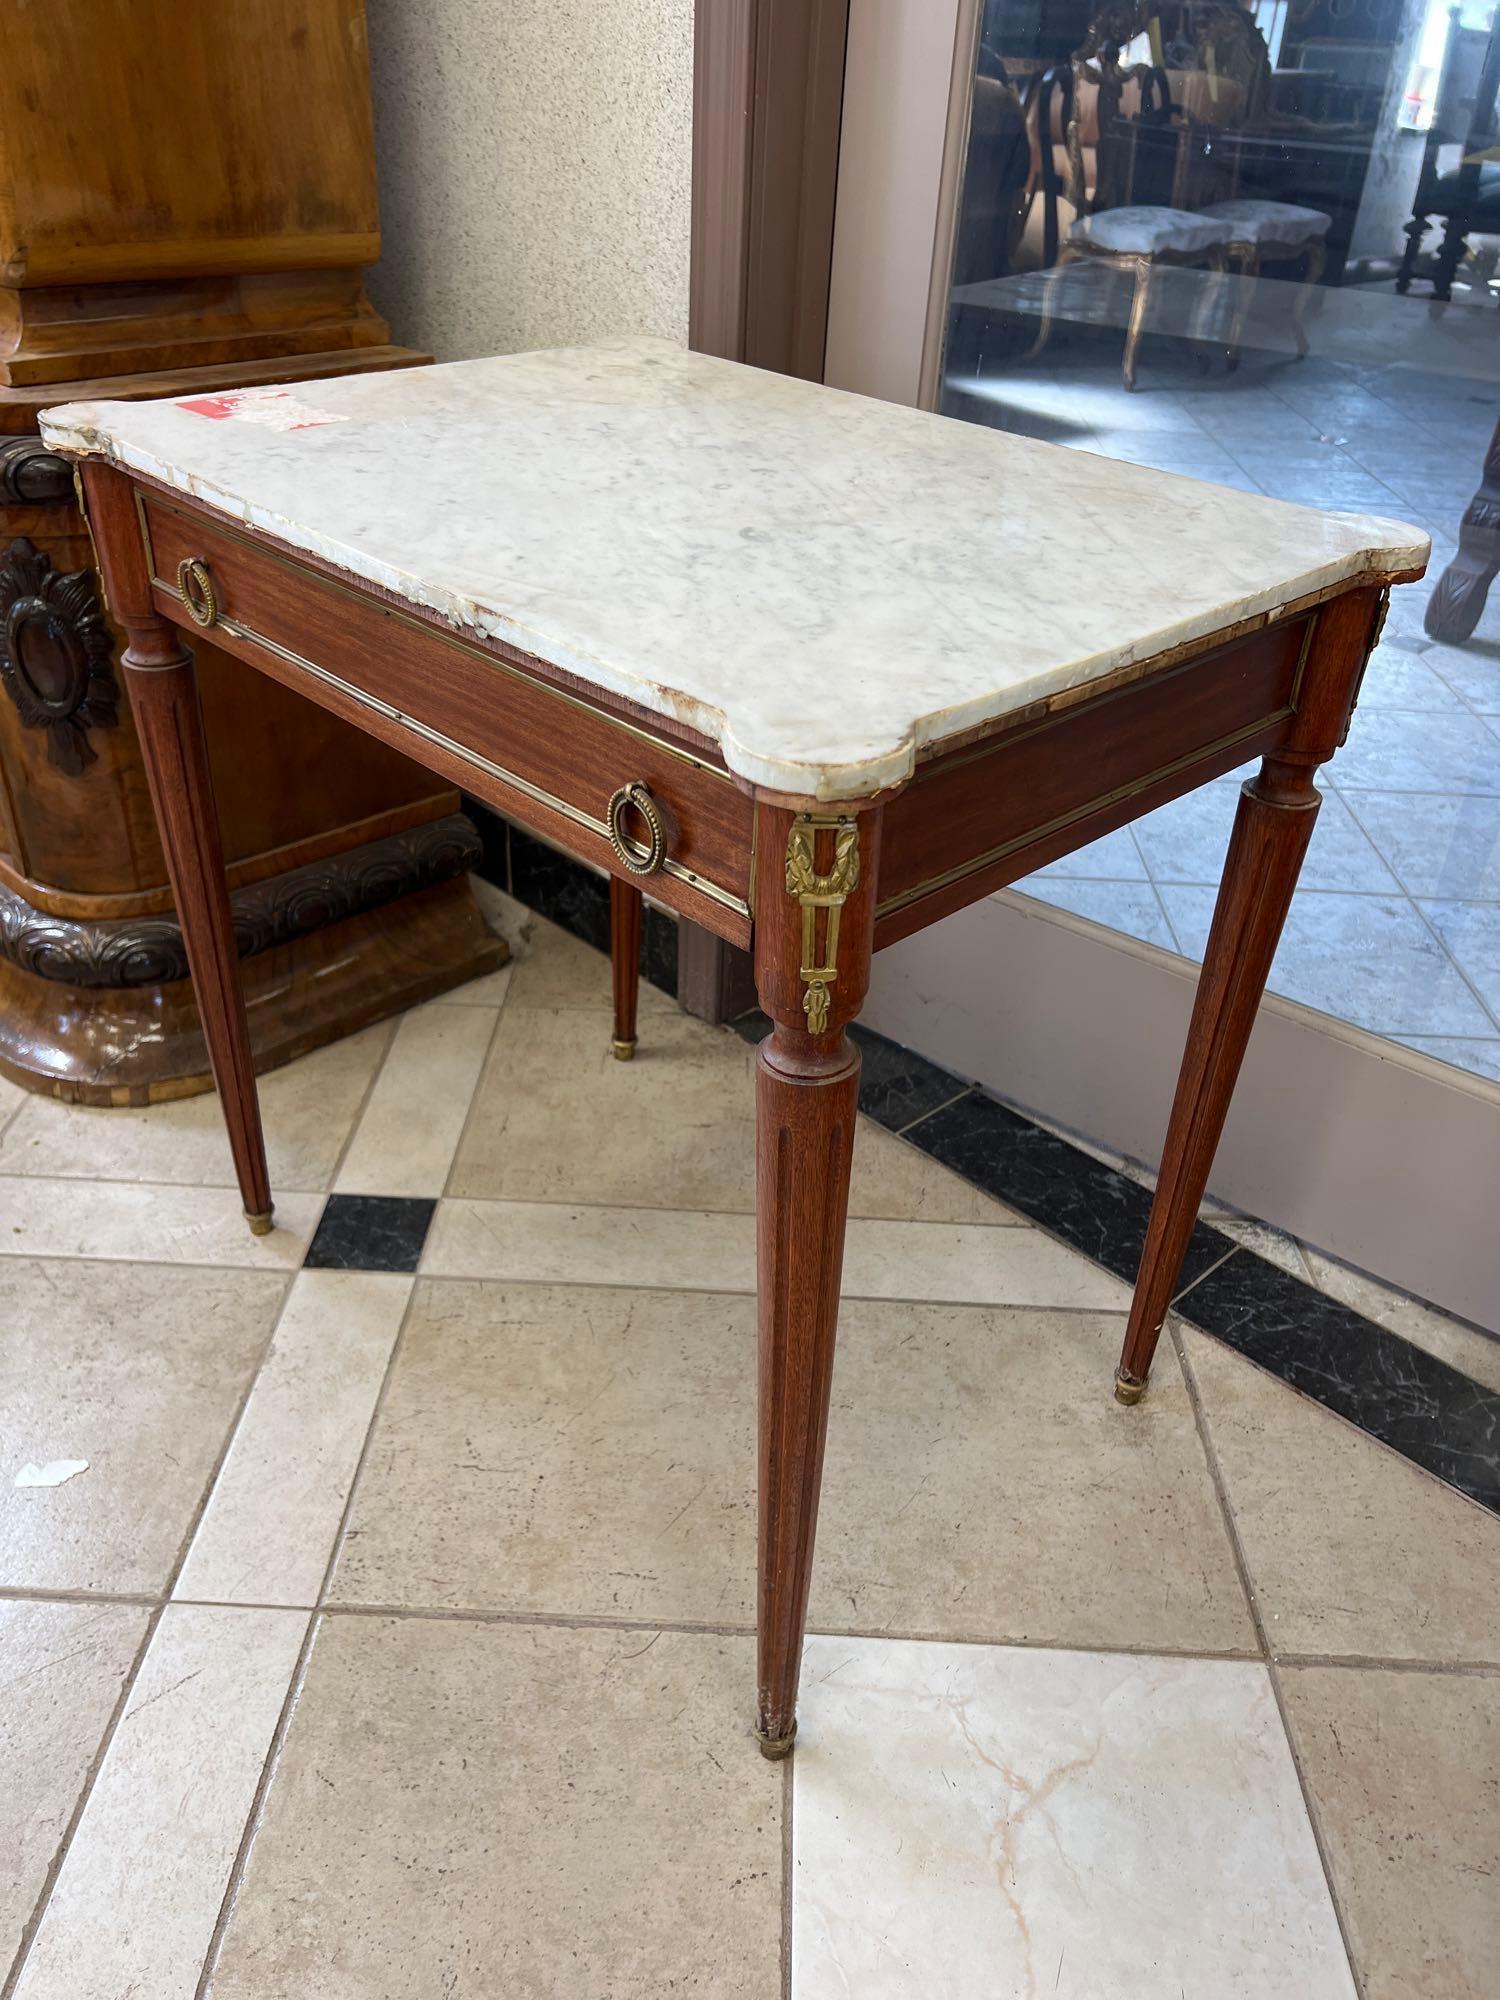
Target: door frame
{"x": 768, "y": 92}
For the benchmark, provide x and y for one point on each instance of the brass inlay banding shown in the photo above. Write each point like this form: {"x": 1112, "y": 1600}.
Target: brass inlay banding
{"x": 451, "y": 640}
{"x": 563, "y": 807}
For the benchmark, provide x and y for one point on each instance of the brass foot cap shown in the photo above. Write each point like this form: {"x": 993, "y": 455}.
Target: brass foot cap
{"x": 1127, "y": 1389}
{"x": 776, "y": 1747}
{"x": 623, "y": 1050}
{"x": 262, "y": 1224}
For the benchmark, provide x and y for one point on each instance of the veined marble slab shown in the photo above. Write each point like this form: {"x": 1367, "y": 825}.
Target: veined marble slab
{"x": 820, "y": 583}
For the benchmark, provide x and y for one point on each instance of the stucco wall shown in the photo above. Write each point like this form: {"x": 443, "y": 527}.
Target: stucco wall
{"x": 534, "y": 159}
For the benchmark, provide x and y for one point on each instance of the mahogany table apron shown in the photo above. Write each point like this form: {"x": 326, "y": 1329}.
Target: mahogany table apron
{"x": 814, "y": 888}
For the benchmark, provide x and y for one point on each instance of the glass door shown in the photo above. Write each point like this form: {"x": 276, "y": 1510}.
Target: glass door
{"x": 1259, "y": 246}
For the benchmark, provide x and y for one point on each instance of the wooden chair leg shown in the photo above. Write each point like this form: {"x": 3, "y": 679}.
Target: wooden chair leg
{"x": 625, "y": 906}
{"x": 1451, "y": 254}
{"x": 1050, "y": 289}
{"x": 1312, "y": 270}
{"x": 1416, "y": 229}
{"x": 814, "y": 923}
{"x": 1137, "y": 326}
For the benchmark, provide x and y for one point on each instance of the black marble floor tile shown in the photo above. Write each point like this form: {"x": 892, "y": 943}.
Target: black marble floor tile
{"x": 1397, "y": 1392}
{"x": 577, "y": 900}
{"x": 370, "y": 1232}
{"x": 896, "y": 1085}
{"x": 1059, "y": 1186}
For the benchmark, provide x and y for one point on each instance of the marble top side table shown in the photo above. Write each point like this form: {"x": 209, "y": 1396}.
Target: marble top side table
{"x": 820, "y": 669}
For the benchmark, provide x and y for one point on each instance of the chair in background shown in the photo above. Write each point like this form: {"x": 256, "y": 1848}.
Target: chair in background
{"x": 1268, "y": 232}
{"x": 1141, "y": 144}
{"x": 1466, "y": 197}
{"x": 1165, "y": 129}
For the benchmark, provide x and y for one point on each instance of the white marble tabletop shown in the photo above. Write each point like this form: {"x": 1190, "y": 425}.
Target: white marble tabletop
{"x": 820, "y": 583}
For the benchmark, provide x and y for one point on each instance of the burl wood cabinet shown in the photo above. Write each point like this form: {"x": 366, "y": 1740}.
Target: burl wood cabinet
{"x": 187, "y": 199}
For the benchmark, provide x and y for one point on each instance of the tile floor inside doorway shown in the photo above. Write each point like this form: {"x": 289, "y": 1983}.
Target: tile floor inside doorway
{"x": 1396, "y": 926}
{"x": 394, "y": 1641}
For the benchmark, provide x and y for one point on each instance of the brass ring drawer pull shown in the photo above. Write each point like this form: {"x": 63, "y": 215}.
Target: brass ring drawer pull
{"x": 196, "y": 588}
{"x": 640, "y": 857}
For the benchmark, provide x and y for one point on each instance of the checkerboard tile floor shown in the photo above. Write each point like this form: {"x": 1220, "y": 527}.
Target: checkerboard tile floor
{"x": 376, "y": 1598}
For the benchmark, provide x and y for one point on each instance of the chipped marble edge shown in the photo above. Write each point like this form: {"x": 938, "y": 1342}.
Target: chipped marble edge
{"x": 1388, "y": 546}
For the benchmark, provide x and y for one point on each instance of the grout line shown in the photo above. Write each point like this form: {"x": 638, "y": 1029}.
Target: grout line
{"x": 1446, "y": 949}
{"x": 254, "y": 1817}
{"x": 747, "y": 1291}
{"x": 788, "y": 1879}
{"x": 33, "y": 1923}
{"x": 1233, "y": 1251}
{"x": 1242, "y": 1566}
{"x": 377, "y": 1072}
{"x": 1371, "y": 1663}
{"x": 59, "y": 1860}
{"x": 901, "y": 1132}
{"x": 564, "y": 1621}
{"x": 41, "y": 1593}
{"x": 474, "y": 1094}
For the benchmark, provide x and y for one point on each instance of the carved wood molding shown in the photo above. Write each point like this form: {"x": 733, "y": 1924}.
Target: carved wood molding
{"x": 55, "y": 653}
{"x": 32, "y": 474}
{"x": 146, "y": 951}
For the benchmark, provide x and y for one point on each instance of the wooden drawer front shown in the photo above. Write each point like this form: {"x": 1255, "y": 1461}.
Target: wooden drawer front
{"x": 971, "y": 822}
{"x": 555, "y": 751}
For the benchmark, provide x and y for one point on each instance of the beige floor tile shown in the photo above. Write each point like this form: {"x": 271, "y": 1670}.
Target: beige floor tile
{"x": 134, "y": 1907}
{"x": 673, "y": 1129}
{"x": 139, "y": 1371}
{"x": 511, "y": 920}
{"x": 1404, "y": 1772}
{"x": 591, "y": 1452}
{"x": 12, "y": 1097}
{"x": 982, "y": 1482}
{"x": 408, "y": 1130}
{"x": 1476, "y": 1354}
{"x": 555, "y": 969}
{"x": 974, "y": 1821}
{"x": 550, "y": 1243}
{"x": 1351, "y": 1550}
{"x": 568, "y": 1450}
{"x": 307, "y": 1109}
{"x": 62, "y": 1667}
{"x": 144, "y": 1222}
{"x": 481, "y": 1809}
{"x": 269, "y": 1526}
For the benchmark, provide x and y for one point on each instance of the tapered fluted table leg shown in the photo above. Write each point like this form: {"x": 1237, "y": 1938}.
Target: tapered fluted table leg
{"x": 814, "y": 921}
{"x": 163, "y": 686}
{"x": 1270, "y": 837}
{"x": 625, "y": 961}
{"x": 1272, "y": 827}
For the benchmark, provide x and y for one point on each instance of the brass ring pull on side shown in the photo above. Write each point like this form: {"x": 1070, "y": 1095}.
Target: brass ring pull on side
{"x": 640, "y": 857}
{"x": 196, "y": 588}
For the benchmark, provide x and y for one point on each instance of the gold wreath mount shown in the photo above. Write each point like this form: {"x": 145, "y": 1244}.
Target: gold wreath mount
{"x": 816, "y": 892}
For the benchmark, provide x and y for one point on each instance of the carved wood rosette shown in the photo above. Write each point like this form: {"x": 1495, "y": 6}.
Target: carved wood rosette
{"x": 55, "y": 653}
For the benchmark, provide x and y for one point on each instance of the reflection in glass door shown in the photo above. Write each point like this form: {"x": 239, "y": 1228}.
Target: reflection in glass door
{"x": 1259, "y": 246}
